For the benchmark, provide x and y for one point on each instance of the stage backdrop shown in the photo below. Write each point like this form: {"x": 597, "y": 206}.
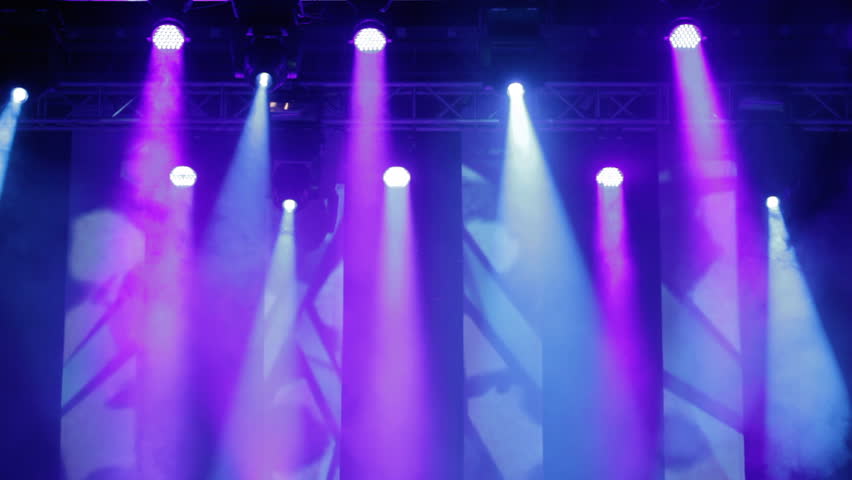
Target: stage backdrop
{"x": 546, "y": 395}
{"x": 286, "y": 364}
{"x": 262, "y": 345}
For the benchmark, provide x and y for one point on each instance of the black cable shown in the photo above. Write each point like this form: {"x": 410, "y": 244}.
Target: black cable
{"x": 194, "y": 8}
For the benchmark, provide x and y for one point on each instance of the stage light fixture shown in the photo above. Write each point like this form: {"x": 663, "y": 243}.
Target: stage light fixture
{"x": 370, "y": 39}
{"x": 685, "y": 36}
{"x": 610, "y": 177}
{"x": 314, "y": 202}
{"x": 515, "y": 90}
{"x": 396, "y": 177}
{"x": 773, "y": 202}
{"x": 168, "y": 36}
{"x": 20, "y": 95}
{"x": 264, "y": 79}
{"x": 272, "y": 50}
{"x": 183, "y": 176}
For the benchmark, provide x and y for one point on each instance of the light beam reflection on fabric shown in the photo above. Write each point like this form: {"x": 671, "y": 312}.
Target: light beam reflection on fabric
{"x": 8, "y": 126}
{"x": 401, "y": 323}
{"x": 697, "y": 328}
{"x": 556, "y": 285}
{"x": 281, "y": 299}
{"x": 164, "y": 213}
{"x": 382, "y": 364}
{"x": 240, "y": 245}
{"x": 807, "y": 402}
{"x": 623, "y": 354}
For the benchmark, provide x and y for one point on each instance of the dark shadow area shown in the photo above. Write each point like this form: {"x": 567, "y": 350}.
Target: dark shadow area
{"x": 33, "y": 253}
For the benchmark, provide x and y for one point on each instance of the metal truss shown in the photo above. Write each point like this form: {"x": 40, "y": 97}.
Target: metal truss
{"x": 445, "y": 106}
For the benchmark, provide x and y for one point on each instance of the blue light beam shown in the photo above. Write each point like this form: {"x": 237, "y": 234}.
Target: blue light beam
{"x": 808, "y": 409}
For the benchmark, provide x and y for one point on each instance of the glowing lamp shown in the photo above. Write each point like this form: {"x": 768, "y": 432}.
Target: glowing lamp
{"x": 370, "y": 40}
{"x": 183, "y": 176}
{"x": 685, "y": 36}
{"x": 168, "y": 36}
{"x": 610, "y": 177}
{"x": 20, "y": 95}
{"x": 396, "y": 177}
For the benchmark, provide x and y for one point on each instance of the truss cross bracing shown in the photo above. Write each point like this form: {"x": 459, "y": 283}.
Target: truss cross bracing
{"x": 448, "y": 106}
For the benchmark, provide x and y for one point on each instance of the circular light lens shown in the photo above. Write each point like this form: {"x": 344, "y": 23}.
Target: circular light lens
{"x": 515, "y": 89}
{"x": 610, "y": 177}
{"x": 370, "y": 40}
{"x": 168, "y": 37}
{"x": 397, "y": 177}
{"x": 20, "y": 95}
{"x": 773, "y": 202}
{"x": 684, "y": 36}
{"x": 183, "y": 176}
{"x": 289, "y": 205}
{"x": 264, "y": 79}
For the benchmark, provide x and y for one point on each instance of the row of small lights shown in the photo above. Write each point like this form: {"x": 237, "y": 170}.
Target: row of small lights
{"x": 399, "y": 177}
{"x": 369, "y": 39}
{"x": 169, "y": 36}
{"x": 394, "y": 177}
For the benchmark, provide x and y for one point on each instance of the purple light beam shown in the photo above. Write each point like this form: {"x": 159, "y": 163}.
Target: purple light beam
{"x": 163, "y": 211}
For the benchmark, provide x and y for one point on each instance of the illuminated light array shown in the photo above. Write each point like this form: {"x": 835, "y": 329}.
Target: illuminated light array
{"x": 685, "y": 36}
{"x": 183, "y": 176}
{"x": 397, "y": 177}
{"x": 370, "y": 40}
{"x": 168, "y": 37}
{"x": 610, "y": 177}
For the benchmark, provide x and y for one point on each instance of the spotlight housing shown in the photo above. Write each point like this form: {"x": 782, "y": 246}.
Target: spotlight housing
{"x": 685, "y": 36}
{"x": 515, "y": 90}
{"x": 183, "y": 176}
{"x": 264, "y": 79}
{"x": 370, "y": 37}
{"x": 314, "y": 203}
{"x": 20, "y": 95}
{"x": 610, "y": 177}
{"x": 272, "y": 50}
{"x": 289, "y": 205}
{"x": 396, "y": 177}
{"x": 773, "y": 202}
{"x": 168, "y": 35}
